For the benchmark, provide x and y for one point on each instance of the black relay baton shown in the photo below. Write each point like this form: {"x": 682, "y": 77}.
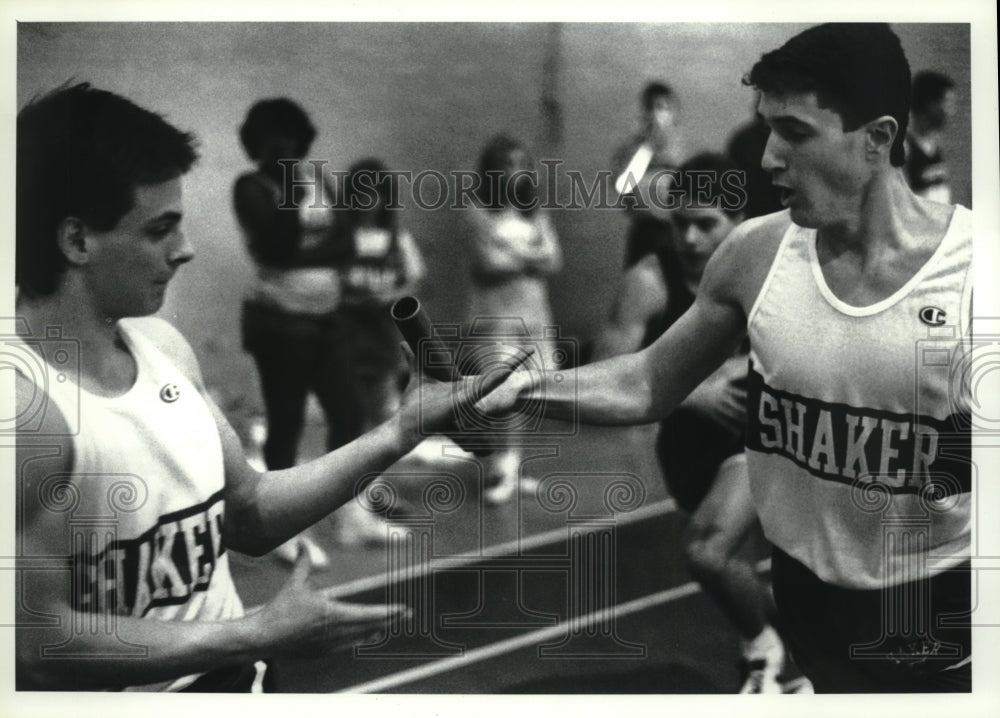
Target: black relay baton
{"x": 416, "y": 329}
{"x": 413, "y": 324}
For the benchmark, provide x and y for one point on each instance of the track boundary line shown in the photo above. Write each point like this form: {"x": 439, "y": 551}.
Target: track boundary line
{"x": 367, "y": 583}
{"x": 477, "y": 655}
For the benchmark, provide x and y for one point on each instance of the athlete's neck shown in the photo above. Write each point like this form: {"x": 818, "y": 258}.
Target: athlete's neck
{"x": 896, "y": 235}
{"x": 106, "y": 365}
{"x": 889, "y": 217}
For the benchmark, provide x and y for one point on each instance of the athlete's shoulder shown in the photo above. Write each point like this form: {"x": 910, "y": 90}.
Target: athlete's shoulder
{"x": 44, "y": 444}
{"x": 760, "y": 232}
{"x": 37, "y": 416}
{"x": 739, "y": 267}
{"x": 171, "y": 343}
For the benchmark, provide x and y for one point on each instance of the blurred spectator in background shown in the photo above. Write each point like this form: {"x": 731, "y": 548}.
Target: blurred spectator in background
{"x": 658, "y": 146}
{"x": 289, "y": 322}
{"x": 513, "y": 248}
{"x": 384, "y": 264}
{"x": 933, "y": 106}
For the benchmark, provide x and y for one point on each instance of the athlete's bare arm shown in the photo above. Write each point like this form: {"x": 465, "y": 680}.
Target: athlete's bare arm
{"x": 264, "y": 509}
{"x": 298, "y": 621}
{"x": 646, "y": 386}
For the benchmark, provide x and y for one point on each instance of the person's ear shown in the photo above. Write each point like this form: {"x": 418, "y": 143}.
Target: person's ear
{"x": 880, "y": 133}
{"x": 74, "y": 241}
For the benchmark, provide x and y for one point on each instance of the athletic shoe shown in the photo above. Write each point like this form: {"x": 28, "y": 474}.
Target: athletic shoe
{"x": 800, "y": 685}
{"x": 503, "y": 491}
{"x": 254, "y": 445}
{"x": 436, "y": 449}
{"x": 289, "y": 551}
{"x": 357, "y": 526}
{"x": 760, "y": 676}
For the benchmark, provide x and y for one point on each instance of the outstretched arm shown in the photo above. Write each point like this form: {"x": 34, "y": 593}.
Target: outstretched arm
{"x": 297, "y": 621}
{"x": 264, "y": 509}
{"x": 646, "y": 386}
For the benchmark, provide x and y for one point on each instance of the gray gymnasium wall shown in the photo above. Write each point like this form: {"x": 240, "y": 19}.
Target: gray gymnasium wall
{"x": 426, "y": 96}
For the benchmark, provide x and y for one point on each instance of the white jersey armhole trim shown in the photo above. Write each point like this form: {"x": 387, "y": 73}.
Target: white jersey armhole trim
{"x": 785, "y": 241}
{"x": 965, "y": 322}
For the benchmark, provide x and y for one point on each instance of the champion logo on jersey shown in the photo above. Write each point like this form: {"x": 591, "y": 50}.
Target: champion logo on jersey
{"x": 170, "y": 393}
{"x": 933, "y": 316}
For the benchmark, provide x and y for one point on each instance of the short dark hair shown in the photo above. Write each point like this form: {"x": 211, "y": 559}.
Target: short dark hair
{"x": 652, "y": 91}
{"x": 858, "y": 70}
{"x": 711, "y": 175}
{"x": 929, "y": 87}
{"x": 81, "y": 152}
{"x": 273, "y": 117}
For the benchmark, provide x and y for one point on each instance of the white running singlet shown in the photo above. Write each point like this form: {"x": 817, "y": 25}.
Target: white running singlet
{"x": 146, "y": 490}
{"x": 859, "y": 434}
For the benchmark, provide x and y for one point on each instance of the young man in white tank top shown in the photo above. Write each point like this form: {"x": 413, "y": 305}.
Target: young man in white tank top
{"x": 858, "y": 451}
{"x": 131, "y": 485}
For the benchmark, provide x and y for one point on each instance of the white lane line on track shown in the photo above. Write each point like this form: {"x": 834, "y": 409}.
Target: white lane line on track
{"x": 368, "y": 583}
{"x": 477, "y": 655}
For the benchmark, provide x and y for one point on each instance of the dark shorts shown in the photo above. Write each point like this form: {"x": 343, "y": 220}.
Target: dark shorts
{"x": 856, "y": 641}
{"x": 691, "y": 448}
{"x": 264, "y": 327}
